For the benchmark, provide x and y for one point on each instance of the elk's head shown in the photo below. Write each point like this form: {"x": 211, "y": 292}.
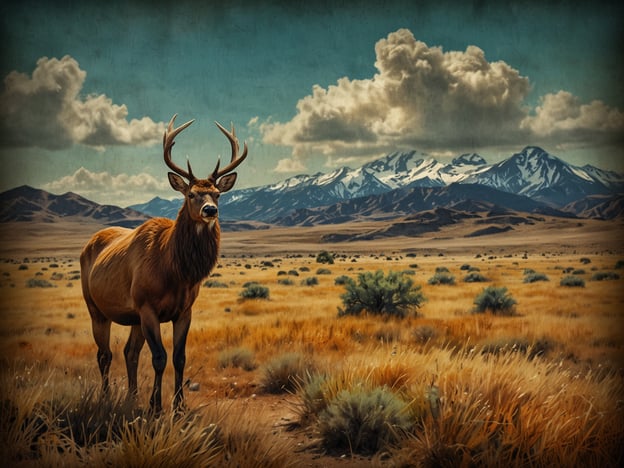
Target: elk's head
{"x": 201, "y": 196}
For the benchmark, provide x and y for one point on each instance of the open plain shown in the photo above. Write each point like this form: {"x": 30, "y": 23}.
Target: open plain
{"x": 541, "y": 386}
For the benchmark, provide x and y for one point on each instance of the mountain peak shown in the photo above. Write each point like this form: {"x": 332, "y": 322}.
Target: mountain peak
{"x": 469, "y": 159}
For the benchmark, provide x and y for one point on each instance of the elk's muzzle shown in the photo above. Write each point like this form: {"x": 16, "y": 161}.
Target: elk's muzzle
{"x": 209, "y": 211}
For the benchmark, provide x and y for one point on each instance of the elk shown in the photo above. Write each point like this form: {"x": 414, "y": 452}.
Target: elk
{"x": 150, "y": 275}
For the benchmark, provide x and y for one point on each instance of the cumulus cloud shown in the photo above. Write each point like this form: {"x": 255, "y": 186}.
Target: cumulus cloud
{"x": 562, "y": 116}
{"x": 103, "y": 187}
{"x": 47, "y": 110}
{"x": 289, "y": 165}
{"x": 423, "y": 97}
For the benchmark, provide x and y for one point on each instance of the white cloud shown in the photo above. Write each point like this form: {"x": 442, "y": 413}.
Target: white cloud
{"x": 562, "y": 117}
{"x": 431, "y": 100}
{"x": 47, "y": 110}
{"x": 289, "y": 165}
{"x": 103, "y": 187}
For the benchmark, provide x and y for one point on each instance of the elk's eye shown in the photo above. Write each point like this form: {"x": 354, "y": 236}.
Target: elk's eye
{"x": 217, "y": 195}
{"x": 191, "y": 195}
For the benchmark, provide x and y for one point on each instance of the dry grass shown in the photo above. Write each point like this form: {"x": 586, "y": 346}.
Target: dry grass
{"x": 506, "y": 406}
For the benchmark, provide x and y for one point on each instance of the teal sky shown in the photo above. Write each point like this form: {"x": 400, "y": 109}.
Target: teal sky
{"x": 309, "y": 85}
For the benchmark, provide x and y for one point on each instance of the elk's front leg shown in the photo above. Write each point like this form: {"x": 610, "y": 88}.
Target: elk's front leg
{"x": 131, "y": 353}
{"x": 180, "y": 331}
{"x": 150, "y": 326}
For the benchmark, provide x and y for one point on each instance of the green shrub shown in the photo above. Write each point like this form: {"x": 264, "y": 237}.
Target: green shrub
{"x": 619, "y": 264}
{"x": 325, "y": 257}
{"x": 341, "y": 280}
{"x": 285, "y": 373}
{"x": 441, "y": 269}
{"x": 237, "y": 357}
{"x": 39, "y": 283}
{"x": 310, "y": 281}
{"x": 605, "y": 275}
{"x": 364, "y": 421}
{"x": 572, "y": 281}
{"x": 534, "y": 277}
{"x": 496, "y": 300}
{"x": 285, "y": 281}
{"x": 323, "y": 271}
{"x": 254, "y": 291}
{"x": 474, "y": 277}
{"x": 214, "y": 284}
{"x": 441, "y": 277}
{"x": 374, "y": 293}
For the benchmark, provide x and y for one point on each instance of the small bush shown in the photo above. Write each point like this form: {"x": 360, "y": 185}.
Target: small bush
{"x": 534, "y": 277}
{"x": 619, "y": 264}
{"x": 441, "y": 269}
{"x": 285, "y": 282}
{"x": 364, "y": 421}
{"x": 285, "y": 373}
{"x": 325, "y": 257}
{"x": 496, "y": 300}
{"x": 374, "y": 293}
{"x": 39, "y": 283}
{"x": 323, "y": 271}
{"x": 605, "y": 275}
{"x": 237, "y": 357}
{"x": 585, "y": 260}
{"x": 341, "y": 280}
{"x": 310, "y": 281}
{"x": 214, "y": 284}
{"x": 255, "y": 291}
{"x": 572, "y": 281}
{"x": 23, "y": 267}
{"x": 474, "y": 277}
{"x": 441, "y": 278}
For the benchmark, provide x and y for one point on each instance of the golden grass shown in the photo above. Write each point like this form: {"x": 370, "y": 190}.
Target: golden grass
{"x": 566, "y": 396}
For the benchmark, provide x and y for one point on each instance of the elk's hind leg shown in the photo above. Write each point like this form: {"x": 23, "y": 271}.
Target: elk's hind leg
{"x": 101, "y": 333}
{"x": 132, "y": 351}
{"x": 150, "y": 326}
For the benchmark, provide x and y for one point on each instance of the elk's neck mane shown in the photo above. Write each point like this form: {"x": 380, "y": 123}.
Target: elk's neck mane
{"x": 195, "y": 247}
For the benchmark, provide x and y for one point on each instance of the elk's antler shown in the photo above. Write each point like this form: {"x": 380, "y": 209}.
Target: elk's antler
{"x": 235, "y": 159}
{"x": 168, "y": 137}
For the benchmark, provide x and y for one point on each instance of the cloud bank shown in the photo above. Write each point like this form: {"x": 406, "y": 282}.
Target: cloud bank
{"x": 425, "y": 98}
{"x": 47, "y": 110}
{"x": 108, "y": 188}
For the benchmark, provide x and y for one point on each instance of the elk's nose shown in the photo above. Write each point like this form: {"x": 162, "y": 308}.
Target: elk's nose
{"x": 209, "y": 211}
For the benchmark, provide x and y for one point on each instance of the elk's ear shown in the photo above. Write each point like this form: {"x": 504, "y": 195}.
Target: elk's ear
{"x": 226, "y": 182}
{"x": 177, "y": 183}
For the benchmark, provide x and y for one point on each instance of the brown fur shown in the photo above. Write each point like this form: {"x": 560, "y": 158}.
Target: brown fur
{"x": 151, "y": 275}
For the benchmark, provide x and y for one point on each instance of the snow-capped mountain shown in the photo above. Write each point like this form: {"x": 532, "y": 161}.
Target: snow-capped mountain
{"x": 535, "y": 173}
{"x": 532, "y": 172}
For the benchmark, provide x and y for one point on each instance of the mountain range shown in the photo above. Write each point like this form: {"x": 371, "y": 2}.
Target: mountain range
{"x": 30, "y": 204}
{"x": 544, "y": 183}
{"x": 409, "y": 188}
